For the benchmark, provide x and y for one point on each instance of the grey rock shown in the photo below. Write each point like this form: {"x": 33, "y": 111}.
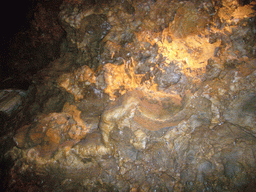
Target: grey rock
{"x": 11, "y": 100}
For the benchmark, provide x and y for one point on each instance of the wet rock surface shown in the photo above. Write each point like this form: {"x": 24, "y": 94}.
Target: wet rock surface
{"x": 146, "y": 96}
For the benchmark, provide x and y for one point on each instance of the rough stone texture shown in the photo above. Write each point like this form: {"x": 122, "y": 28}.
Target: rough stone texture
{"x": 242, "y": 111}
{"x": 147, "y": 96}
{"x": 10, "y": 101}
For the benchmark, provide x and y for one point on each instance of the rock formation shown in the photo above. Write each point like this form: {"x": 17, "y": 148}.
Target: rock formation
{"x": 146, "y": 96}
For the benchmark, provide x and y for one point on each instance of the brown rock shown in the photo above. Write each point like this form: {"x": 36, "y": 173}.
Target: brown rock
{"x": 53, "y": 135}
{"x": 20, "y": 137}
{"x": 36, "y": 134}
{"x": 188, "y": 20}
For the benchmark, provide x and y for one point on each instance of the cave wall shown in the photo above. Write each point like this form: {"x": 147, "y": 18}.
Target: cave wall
{"x": 146, "y": 96}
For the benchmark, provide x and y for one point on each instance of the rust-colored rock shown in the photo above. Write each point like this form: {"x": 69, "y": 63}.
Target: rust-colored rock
{"x": 53, "y": 132}
{"x": 21, "y": 136}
